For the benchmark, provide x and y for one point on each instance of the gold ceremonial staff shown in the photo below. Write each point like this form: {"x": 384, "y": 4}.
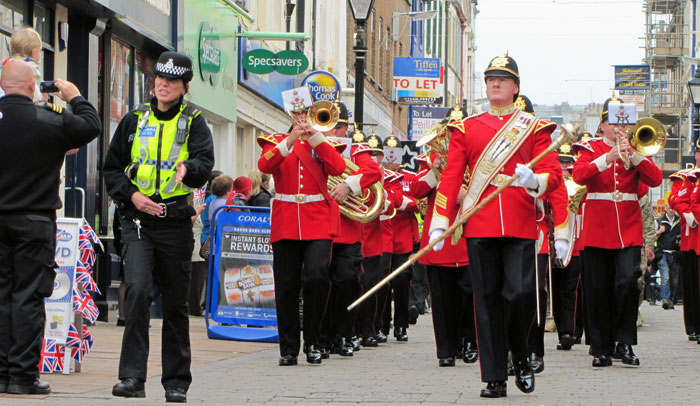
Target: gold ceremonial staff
{"x": 568, "y": 135}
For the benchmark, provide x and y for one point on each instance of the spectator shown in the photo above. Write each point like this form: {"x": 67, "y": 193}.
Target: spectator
{"x": 221, "y": 187}
{"x": 242, "y": 190}
{"x": 669, "y": 233}
{"x": 260, "y": 196}
{"x": 199, "y": 265}
{"x": 208, "y": 198}
{"x": 25, "y": 44}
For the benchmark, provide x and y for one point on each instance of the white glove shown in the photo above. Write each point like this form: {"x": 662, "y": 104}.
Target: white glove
{"x": 526, "y": 177}
{"x": 561, "y": 247}
{"x": 434, "y": 235}
{"x": 690, "y": 220}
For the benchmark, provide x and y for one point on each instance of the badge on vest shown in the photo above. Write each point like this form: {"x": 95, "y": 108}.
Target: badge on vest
{"x": 148, "y": 132}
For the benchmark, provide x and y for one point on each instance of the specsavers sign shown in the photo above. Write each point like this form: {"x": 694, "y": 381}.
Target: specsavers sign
{"x": 287, "y": 62}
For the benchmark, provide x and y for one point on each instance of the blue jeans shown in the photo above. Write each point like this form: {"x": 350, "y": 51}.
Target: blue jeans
{"x": 668, "y": 269}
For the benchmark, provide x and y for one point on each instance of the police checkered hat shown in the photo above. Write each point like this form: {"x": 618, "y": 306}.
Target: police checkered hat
{"x": 174, "y": 65}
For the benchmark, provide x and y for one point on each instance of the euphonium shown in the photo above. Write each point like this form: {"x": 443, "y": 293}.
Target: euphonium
{"x": 323, "y": 115}
{"x": 364, "y": 208}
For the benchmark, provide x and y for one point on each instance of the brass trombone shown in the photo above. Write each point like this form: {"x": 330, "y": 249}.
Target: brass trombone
{"x": 647, "y": 138}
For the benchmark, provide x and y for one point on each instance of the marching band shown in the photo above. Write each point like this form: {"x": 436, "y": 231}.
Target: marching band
{"x": 515, "y": 226}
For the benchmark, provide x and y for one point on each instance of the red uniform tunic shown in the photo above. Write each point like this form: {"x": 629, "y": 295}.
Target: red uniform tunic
{"x": 512, "y": 213}
{"x": 609, "y": 223}
{"x": 424, "y": 185}
{"x": 559, "y": 200}
{"x": 404, "y": 223}
{"x": 406, "y": 182}
{"x": 291, "y": 219}
{"x": 680, "y": 200}
{"x": 368, "y": 174}
{"x": 390, "y": 178}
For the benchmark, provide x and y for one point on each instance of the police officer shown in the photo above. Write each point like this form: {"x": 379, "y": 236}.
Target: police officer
{"x": 28, "y": 206}
{"x": 159, "y": 154}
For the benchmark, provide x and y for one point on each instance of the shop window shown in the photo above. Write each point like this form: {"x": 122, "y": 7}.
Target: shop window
{"x": 43, "y": 24}
{"x": 119, "y": 83}
{"x": 144, "y": 78}
{"x": 11, "y": 18}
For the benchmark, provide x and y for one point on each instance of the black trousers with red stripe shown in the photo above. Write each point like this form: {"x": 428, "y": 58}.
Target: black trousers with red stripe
{"x": 536, "y": 337}
{"x": 446, "y": 294}
{"x": 364, "y": 324}
{"x": 564, "y": 297}
{"x": 691, "y": 294}
{"x": 502, "y": 272}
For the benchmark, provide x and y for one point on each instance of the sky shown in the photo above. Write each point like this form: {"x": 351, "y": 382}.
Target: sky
{"x": 565, "y": 49}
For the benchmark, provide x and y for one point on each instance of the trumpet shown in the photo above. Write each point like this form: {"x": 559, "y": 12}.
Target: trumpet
{"x": 322, "y": 115}
{"x": 647, "y": 138}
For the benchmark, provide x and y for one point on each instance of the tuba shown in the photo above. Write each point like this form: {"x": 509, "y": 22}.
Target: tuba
{"x": 363, "y": 208}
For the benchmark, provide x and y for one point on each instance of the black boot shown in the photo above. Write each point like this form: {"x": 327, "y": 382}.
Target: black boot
{"x": 381, "y": 337}
{"x": 129, "y": 388}
{"x": 602, "y": 361}
{"x": 471, "y": 354}
{"x": 313, "y": 354}
{"x": 495, "y": 389}
{"x": 369, "y": 342}
{"x": 447, "y": 362}
{"x": 524, "y": 377}
{"x": 35, "y": 388}
{"x": 400, "y": 334}
{"x": 536, "y": 363}
{"x": 627, "y": 355}
{"x": 345, "y": 347}
{"x": 566, "y": 341}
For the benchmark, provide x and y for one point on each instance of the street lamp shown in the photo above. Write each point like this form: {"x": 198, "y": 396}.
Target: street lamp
{"x": 360, "y": 12}
{"x": 415, "y": 15}
{"x": 694, "y": 90}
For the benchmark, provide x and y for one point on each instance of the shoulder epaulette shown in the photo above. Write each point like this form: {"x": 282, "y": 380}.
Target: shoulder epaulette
{"x": 262, "y": 139}
{"x": 677, "y": 175}
{"x": 338, "y": 145}
{"x": 457, "y": 124}
{"x": 54, "y": 107}
{"x": 583, "y": 144}
{"x": 422, "y": 158}
{"x": 542, "y": 123}
{"x": 361, "y": 148}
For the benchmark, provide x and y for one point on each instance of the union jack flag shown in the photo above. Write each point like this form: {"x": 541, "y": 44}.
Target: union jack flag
{"x": 49, "y": 356}
{"x": 198, "y": 195}
{"x": 90, "y": 233}
{"x": 87, "y": 253}
{"x": 73, "y": 339}
{"x": 86, "y": 345}
{"x": 81, "y": 273}
{"x": 91, "y": 286}
{"x": 83, "y": 303}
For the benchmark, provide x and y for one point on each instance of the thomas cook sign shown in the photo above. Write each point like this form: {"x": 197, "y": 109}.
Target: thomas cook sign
{"x": 209, "y": 54}
{"x": 262, "y": 61}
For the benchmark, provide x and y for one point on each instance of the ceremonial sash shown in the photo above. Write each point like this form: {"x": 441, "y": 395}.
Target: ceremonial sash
{"x": 504, "y": 144}
{"x": 322, "y": 179}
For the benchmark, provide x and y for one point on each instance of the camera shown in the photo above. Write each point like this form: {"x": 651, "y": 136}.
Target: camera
{"x": 48, "y": 87}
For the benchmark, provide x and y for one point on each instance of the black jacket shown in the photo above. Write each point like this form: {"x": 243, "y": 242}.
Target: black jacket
{"x": 33, "y": 144}
{"x": 262, "y": 199}
{"x": 669, "y": 239}
{"x": 199, "y": 164}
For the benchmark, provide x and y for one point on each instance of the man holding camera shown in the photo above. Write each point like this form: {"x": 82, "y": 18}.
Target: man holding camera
{"x": 669, "y": 235}
{"x": 28, "y": 207}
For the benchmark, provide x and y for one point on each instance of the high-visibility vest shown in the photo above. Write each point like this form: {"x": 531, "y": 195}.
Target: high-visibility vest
{"x": 157, "y": 148}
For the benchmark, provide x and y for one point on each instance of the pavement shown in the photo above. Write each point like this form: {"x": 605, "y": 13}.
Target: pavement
{"x": 233, "y": 373}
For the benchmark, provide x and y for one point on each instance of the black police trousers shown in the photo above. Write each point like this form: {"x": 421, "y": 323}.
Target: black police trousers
{"x": 612, "y": 297}
{"x": 297, "y": 264}
{"x": 159, "y": 262}
{"x": 27, "y": 247}
{"x": 502, "y": 272}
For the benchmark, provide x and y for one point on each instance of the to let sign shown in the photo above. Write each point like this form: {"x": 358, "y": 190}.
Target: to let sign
{"x": 418, "y": 80}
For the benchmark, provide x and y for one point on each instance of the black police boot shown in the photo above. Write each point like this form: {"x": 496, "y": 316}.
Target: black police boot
{"x": 627, "y": 355}
{"x": 381, "y": 337}
{"x": 287, "y": 360}
{"x": 524, "y": 376}
{"x": 471, "y": 354}
{"x": 345, "y": 347}
{"x": 447, "y": 362}
{"x": 495, "y": 389}
{"x": 369, "y": 342}
{"x": 400, "y": 334}
{"x": 601, "y": 361}
{"x": 129, "y": 388}
{"x": 313, "y": 354}
{"x": 536, "y": 363}
{"x": 35, "y": 388}
{"x": 176, "y": 395}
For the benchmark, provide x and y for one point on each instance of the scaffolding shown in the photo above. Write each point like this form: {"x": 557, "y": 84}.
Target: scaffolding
{"x": 667, "y": 41}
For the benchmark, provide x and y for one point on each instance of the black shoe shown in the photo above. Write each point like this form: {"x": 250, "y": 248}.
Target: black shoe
{"x": 412, "y": 314}
{"x": 536, "y": 363}
{"x": 627, "y": 355}
{"x": 176, "y": 395}
{"x": 471, "y": 355}
{"x": 566, "y": 341}
{"x": 325, "y": 353}
{"x": 381, "y": 337}
{"x": 495, "y": 389}
{"x": 345, "y": 348}
{"x": 602, "y": 361}
{"x": 121, "y": 322}
{"x": 577, "y": 340}
{"x": 36, "y": 388}
{"x": 447, "y": 362}
{"x": 355, "y": 343}
{"x": 129, "y": 388}
{"x": 524, "y": 376}
{"x": 666, "y": 304}
{"x": 693, "y": 337}
{"x": 400, "y": 334}
{"x": 369, "y": 342}
{"x": 313, "y": 354}
{"x": 288, "y": 360}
